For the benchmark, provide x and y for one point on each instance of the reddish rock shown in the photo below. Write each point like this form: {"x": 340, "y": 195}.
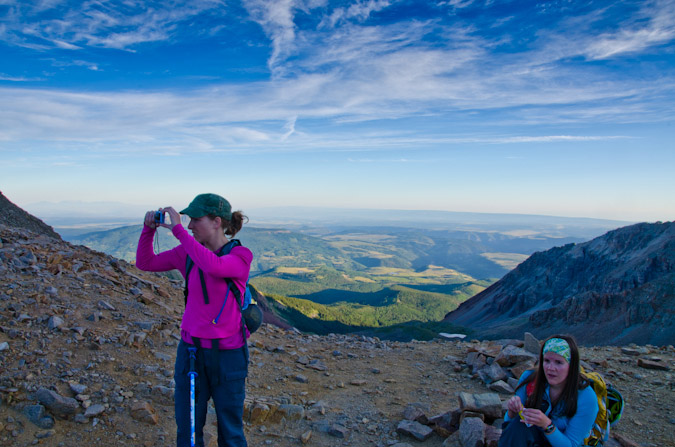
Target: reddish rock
{"x": 143, "y": 411}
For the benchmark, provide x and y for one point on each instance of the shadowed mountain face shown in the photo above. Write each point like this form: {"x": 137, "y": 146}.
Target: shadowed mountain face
{"x": 13, "y": 216}
{"x": 618, "y": 288}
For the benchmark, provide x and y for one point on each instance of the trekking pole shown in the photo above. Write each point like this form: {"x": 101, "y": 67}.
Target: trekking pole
{"x": 192, "y": 374}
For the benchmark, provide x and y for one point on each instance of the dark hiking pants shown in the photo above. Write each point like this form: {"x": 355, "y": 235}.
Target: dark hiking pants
{"x": 221, "y": 376}
{"x": 517, "y": 434}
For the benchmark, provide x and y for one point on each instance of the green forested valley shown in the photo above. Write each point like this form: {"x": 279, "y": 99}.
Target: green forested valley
{"x": 393, "y": 282}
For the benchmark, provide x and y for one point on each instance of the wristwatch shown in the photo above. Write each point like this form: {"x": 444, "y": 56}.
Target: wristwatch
{"x": 548, "y": 430}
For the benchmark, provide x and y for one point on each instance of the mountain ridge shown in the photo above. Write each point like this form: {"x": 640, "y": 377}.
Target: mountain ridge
{"x": 13, "y": 216}
{"x": 616, "y": 288}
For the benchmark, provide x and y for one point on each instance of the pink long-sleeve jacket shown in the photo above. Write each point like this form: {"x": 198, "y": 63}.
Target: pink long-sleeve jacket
{"x": 198, "y": 318}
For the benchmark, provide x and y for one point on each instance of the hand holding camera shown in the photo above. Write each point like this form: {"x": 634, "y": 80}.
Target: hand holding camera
{"x": 163, "y": 217}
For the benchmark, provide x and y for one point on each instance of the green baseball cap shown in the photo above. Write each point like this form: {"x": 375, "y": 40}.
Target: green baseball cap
{"x": 209, "y": 205}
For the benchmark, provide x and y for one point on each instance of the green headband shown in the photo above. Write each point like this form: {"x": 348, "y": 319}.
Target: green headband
{"x": 560, "y": 347}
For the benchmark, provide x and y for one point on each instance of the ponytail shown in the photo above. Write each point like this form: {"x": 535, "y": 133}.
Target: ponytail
{"x": 233, "y": 226}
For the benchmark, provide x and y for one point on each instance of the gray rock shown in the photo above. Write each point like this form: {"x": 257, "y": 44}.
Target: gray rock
{"x": 51, "y": 291}
{"x": 501, "y": 387}
{"x": 105, "y": 305}
{"x": 45, "y": 434}
{"x": 163, "y": 357}
{"x": 145, "y": 325}
{"x": 338, "y": 431}
{"x": 518, "y": 369}
{"x": 415, "y": 413}
{"x": 653, "y": 364}
{"x": 95, "y": 317}
{"x": 55, "y": 322}
{"x": 135, "y": 291}
{"x": 488, "y": 404}
{"x": 532, "y": 344}
{"x": 4, "y": 346}
{"x": 511, "y": 355}
{"x": 446, "y": 423}
{"x": 302, "y": 379}
{"x": 472, "y": 432}
{"x": 62, "y": 406}
{"x": 94, "y": 410}
{"x": 476, "y": 361}
{"x": 634, "y": 351}
{"x": 414, "y": 429}
{"x": 492, "y": 373}
{"x": 29, "y": 258}
{"x": 290, "y": 412}
{"x": 77, "y": 388}
{"x": 452, "y": 441}
{"x": 319, "y": 407}
{"x": 317, "y": 365}
{"x": 163, "y": 391}
{"x": 492, "y": 435}
{"x": 36, "y": 414}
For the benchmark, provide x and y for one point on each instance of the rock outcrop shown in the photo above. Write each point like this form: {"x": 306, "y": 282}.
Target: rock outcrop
{"x": 618, "y": 288}
{"x": 13, "y": 216}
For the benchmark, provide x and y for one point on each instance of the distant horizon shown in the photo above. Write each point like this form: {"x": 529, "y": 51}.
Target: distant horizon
{"x": 557, "y": 109}
{"x": 85, "y": 208}
{"x": 84, "y": 204}
{"x": 76, "y": 218}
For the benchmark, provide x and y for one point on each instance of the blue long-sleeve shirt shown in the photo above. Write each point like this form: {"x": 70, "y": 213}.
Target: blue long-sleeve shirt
{"x": 570, "y": 432}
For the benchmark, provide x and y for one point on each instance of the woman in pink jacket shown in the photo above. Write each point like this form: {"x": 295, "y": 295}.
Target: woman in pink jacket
{"x": 212, "y": 322}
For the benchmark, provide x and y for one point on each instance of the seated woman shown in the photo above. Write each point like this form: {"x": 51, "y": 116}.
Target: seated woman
{"x": 554, "y": 405}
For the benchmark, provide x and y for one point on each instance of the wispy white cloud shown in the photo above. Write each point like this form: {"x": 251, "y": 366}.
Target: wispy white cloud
{"x": 276, "y": 19}
{"x": 290, "y": 128}
{"x": 119, "y": 25}
{"x": 65, "y": 45}
{"x": 552, "y": 138}
{"x": 6, "y": 77}
{"x": 256, "y": 117}
{"x": 458, "y": 3}
{"x": 360, "y": 11}
{"x": 346, "y": 73}
{"x": 387, "y": 160}
{"x": 653, "y": 25}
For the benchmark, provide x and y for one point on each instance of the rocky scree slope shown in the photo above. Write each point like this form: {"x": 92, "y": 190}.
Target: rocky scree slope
{"x": 618, "y": 288}
{"x": 13, "y": 216}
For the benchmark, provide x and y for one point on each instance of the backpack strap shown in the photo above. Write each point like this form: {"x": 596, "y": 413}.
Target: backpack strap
{"x": 231, "y": 287}
{"x": 188, "y": 267}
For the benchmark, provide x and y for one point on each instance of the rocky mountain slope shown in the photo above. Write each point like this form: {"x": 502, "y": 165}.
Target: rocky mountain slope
{"x": 618, "y": 288}
{"x": 87, "y": 346}
{"x": 13, "y": 216}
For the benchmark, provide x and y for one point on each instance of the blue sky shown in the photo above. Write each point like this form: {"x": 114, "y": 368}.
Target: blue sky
{"x": 561, "y": 108}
